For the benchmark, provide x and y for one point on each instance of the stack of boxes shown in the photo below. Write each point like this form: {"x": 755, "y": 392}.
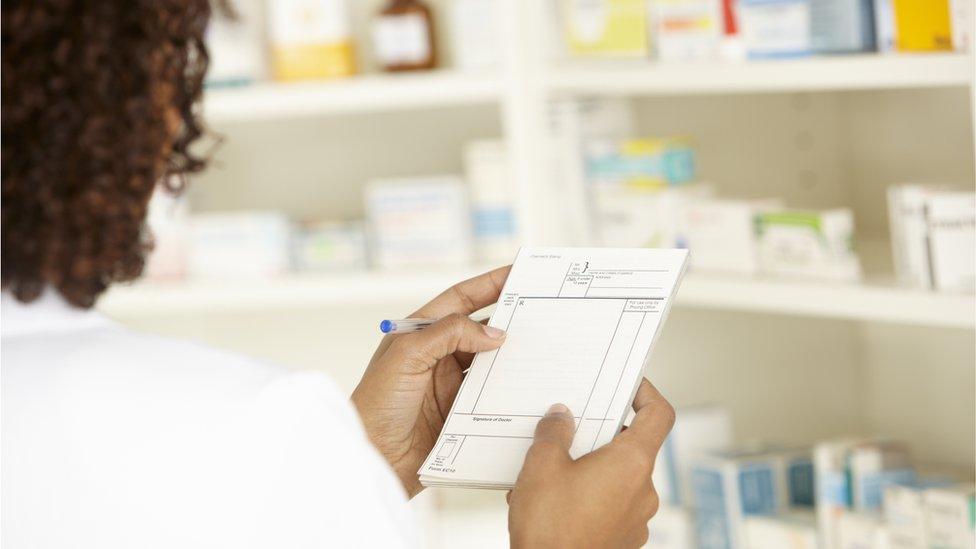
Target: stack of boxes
{"x": 410, "y": 221}
{"x": 690, "y": 30}
{"x": 850, "y": 493}
{"x": 733, "y": 486}
{"x": 643, "y": 194}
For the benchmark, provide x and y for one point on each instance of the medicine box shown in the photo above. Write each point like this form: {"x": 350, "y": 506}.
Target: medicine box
{"x": 721, "y": 234}
{"x": 861, "y": 531}
{"x": 904, "y": 515}
{"x": 330, "y": 246}
{"x": 687, "y": 30}
{"x": 816, "y": 244}
{"x": 961, "y": 21}
{"x": 731, "y": 47}
{"x": 833, "y": 487}
{"x": 671, "y": 528}
{"x": 873, "y": 467}
{"x": 794, "y": 530}
{"x": 951, "y": 224}
{"x": 800, "y": 479}
{"x": 909, "y": 233}
{"x": 730, "y": 486}
{"x": 923, "y": 25}
{"x": 697, "y": 431}
{"x": 476, "y": 33}
{"x": 606, "y": 27}
{"x": 640, "y": 163}
{"x": 933, "y": 237}
{"x": 491, "y": 194}
{"x": 638, "y": 218}
{"x": 851, "y": 476}
{"x": 884, "y": 25}
{"x": 950, "y": 516}
{"x": 239, "y": 245}
{"x": 310, "y": 39}
{"x": 236, "y": 45}
{"x": 775, "y": 28}
{"x": 416, "y": 221}
{"x": 842, "y": 26}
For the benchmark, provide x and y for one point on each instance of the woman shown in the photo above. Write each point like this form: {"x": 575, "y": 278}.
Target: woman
{"x": 117, "y": 439}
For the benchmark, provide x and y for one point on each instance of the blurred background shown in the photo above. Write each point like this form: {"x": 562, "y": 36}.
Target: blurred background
{"x": 817, "y": 157}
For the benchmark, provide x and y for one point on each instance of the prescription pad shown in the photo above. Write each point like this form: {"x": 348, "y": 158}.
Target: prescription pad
{"x": 581, "y": 323}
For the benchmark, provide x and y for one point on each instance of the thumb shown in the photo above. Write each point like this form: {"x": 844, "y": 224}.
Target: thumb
{"x": 553, "y": 436}
{"x": 450, "y": 334}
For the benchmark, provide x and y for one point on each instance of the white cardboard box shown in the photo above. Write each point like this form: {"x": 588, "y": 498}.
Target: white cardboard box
{"x": 949, "y": 514}
{"x": 833, "y": 487}
{"x": 933, "y": 237}
{"x": 951, "y": 223}
{"x": 816, "y": 244}
{"x": 643, "y": 218}
{"x": 861, "y": 531}
{"x": 239, "y": 245}
{"x": 686, "y": 30}
{"x": 904, "y": 514}
{"x": 788, "y": 531}
{"x": 909, "y": 233}
{"x": 416, "y": 221}
{"x": 697, "y": 431}
{"x": 721, "y": 234}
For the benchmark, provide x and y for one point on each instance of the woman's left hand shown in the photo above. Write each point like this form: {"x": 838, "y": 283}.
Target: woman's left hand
{"x": 411, "y": 381}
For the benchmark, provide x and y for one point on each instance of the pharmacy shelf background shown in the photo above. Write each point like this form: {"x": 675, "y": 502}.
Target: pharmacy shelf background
{"x": 794, "y": 361}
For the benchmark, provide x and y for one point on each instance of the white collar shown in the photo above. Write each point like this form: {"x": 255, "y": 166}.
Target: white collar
{"x": 48, "y": 313}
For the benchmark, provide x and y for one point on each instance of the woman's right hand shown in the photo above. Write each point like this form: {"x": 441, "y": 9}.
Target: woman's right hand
{"x": 603, "y": 499}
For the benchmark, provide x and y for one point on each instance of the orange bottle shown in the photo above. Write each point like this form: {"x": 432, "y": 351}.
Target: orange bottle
{"x": 403, "y": 35}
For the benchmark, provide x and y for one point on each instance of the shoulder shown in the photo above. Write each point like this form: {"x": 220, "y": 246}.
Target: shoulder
{"x": 114, "y": 359}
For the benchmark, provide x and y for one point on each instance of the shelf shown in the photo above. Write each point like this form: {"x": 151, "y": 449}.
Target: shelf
{"x": 868, "y": 302}
{"x": 875, "y": 303}
{"x": 289, "y": 292}
{"x": 400, "y": 92}
{"x": 357, "y": 94}
{"x": 860, "y": 72}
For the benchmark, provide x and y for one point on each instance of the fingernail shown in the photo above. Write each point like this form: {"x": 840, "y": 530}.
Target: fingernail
{"x": 557, "y": 409}
{"x": 493, "y": 332}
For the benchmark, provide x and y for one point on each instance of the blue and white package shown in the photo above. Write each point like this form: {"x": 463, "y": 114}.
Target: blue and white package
{"x": 697, "y": 431}
{"x": 800, "y": 482}
{"x": 842, "y": 26}
{"x": 875, "y": 466}
{"x": 730, "y": 486}
{"x": 774, "y": 29}
{"x": 833, "y": 487}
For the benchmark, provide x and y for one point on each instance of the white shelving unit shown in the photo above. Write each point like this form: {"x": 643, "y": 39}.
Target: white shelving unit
{"x": 863, "y": 302}
{"x": 794, "y": 361}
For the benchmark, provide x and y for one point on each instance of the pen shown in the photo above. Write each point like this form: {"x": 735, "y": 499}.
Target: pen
{"x": 410, "y": 325}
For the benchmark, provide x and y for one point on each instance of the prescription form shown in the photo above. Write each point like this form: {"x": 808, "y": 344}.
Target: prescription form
{"x": 580, "y": 325}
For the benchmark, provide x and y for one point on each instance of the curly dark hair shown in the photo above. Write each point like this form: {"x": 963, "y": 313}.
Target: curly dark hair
{"x": 99, "y": 105}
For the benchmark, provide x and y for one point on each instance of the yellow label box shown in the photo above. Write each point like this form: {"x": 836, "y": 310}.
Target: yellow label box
{"x": 923, "y": 25}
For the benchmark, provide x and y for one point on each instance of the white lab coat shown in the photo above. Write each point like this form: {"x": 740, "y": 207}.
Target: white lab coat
{"x": 114, "y": 439}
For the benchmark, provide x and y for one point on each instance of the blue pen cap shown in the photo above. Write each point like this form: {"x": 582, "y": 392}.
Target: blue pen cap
{"x": 387, "y": 326}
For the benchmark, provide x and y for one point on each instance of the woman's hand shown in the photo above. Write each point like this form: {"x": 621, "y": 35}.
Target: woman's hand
{"x": 409, "y": 386}
{"x": 603, "y": 499}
